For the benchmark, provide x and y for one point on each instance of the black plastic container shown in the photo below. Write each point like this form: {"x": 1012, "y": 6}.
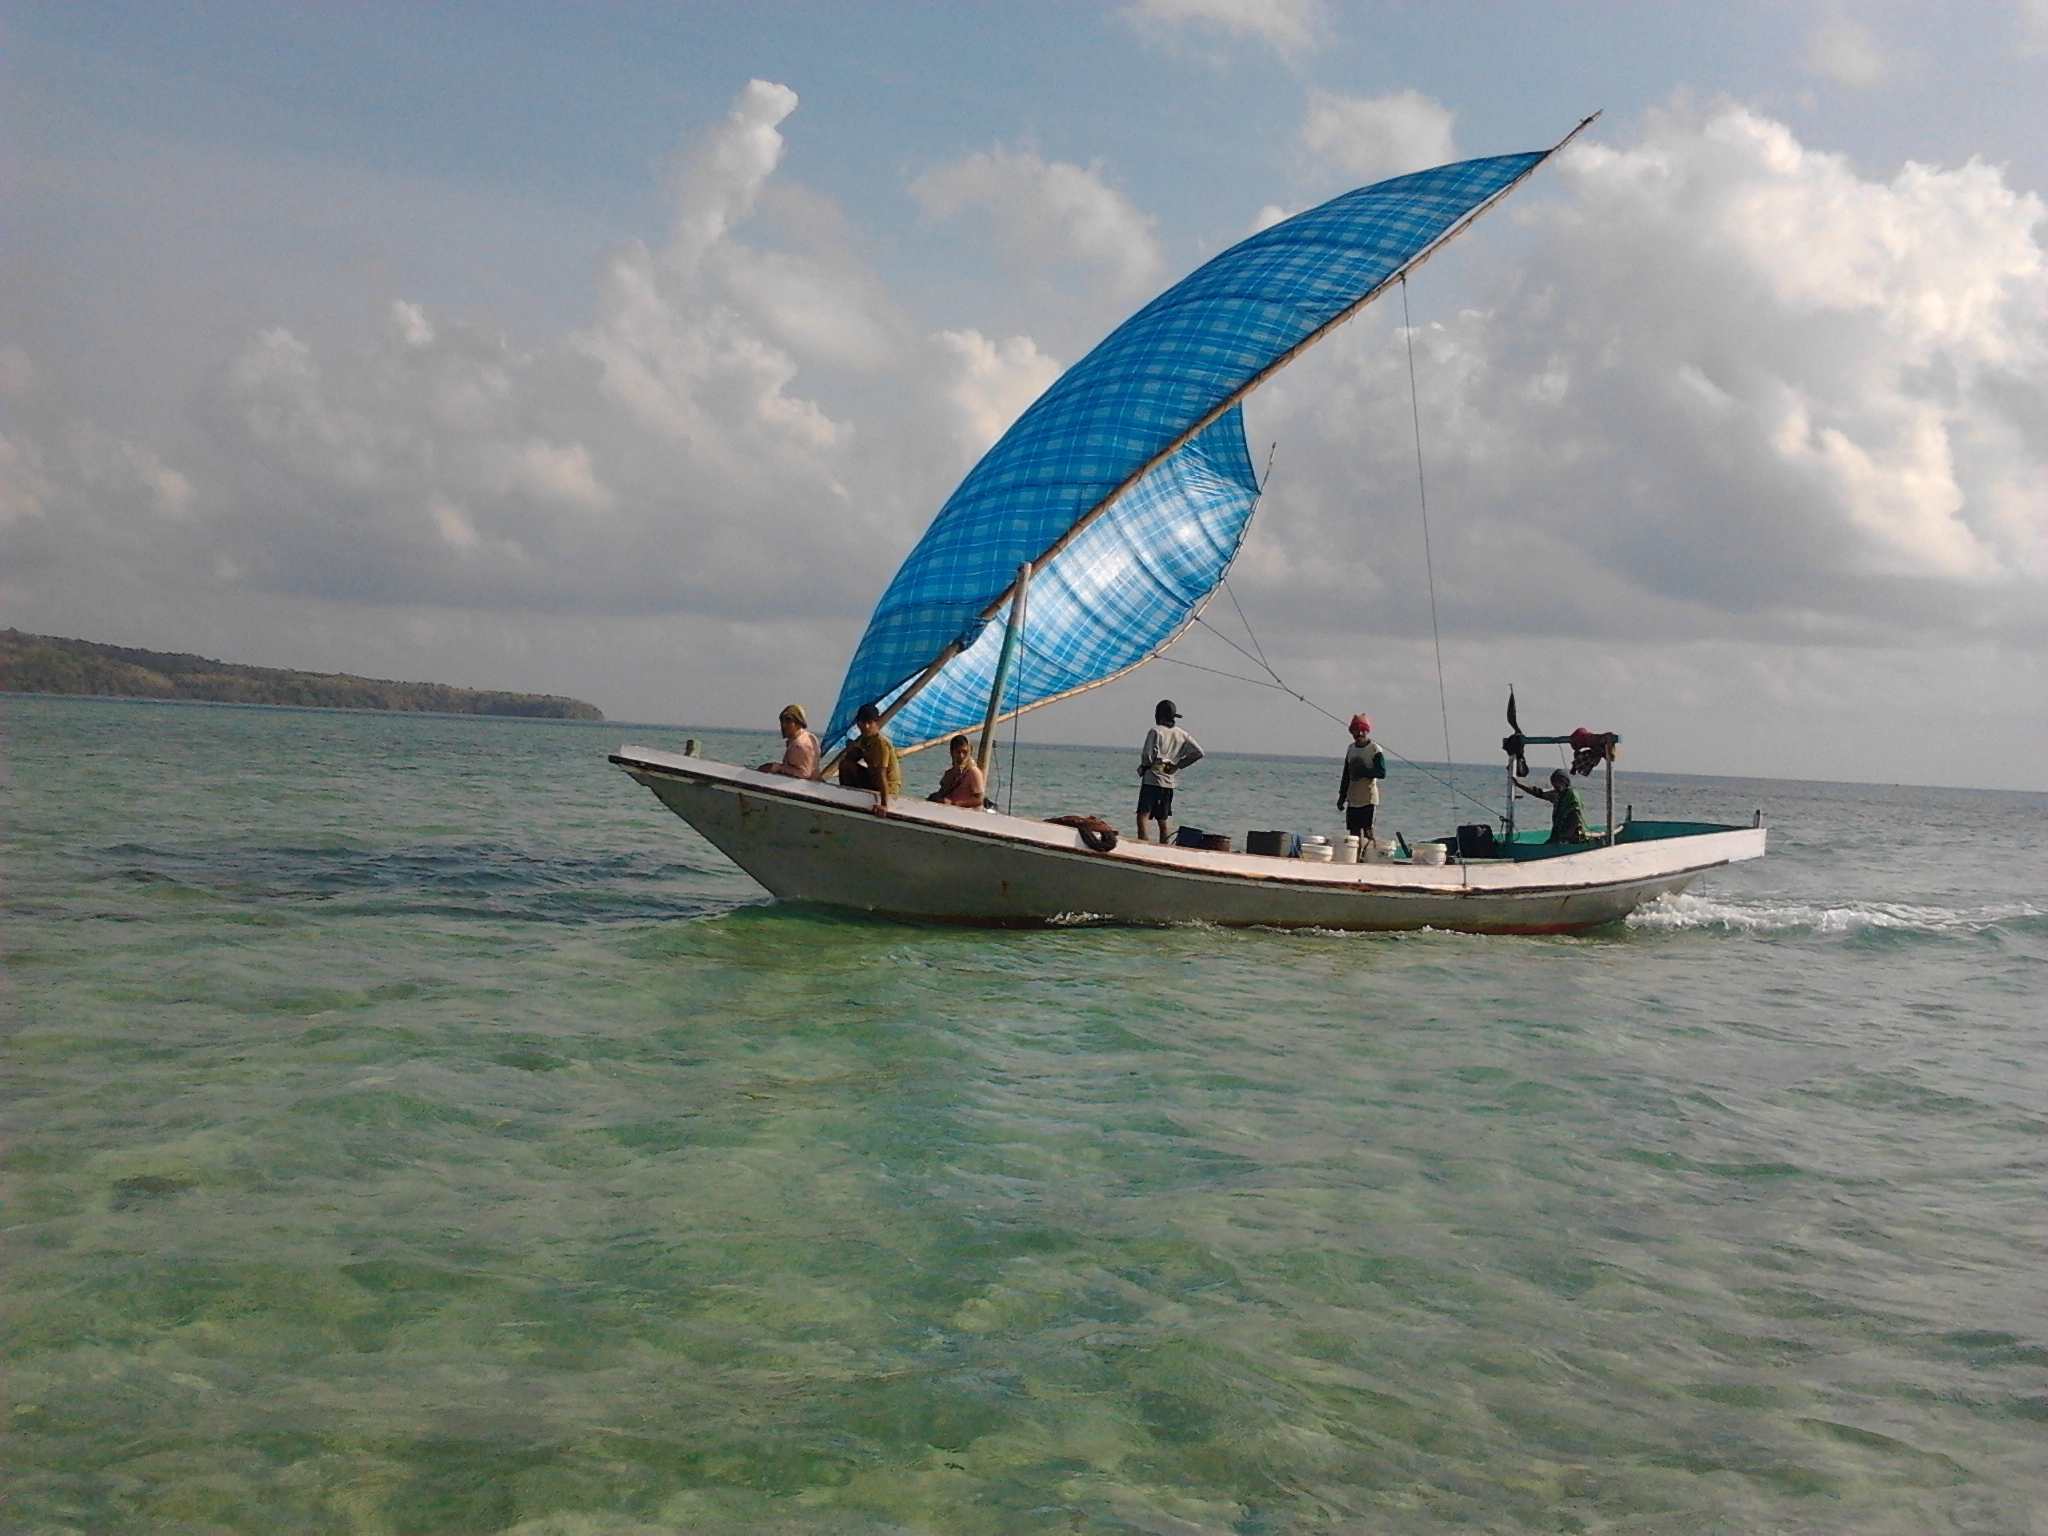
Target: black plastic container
{"x": 1477, "y": 841}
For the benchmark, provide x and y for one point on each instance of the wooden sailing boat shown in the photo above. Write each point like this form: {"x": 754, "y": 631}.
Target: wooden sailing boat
{"x": 1081, "y": 546}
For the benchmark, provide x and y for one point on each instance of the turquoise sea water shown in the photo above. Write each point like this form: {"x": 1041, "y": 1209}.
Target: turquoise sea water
{"x": 413, "y": 1128}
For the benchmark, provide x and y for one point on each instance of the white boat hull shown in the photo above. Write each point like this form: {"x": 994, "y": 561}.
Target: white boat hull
{"x": 817, "y": 842}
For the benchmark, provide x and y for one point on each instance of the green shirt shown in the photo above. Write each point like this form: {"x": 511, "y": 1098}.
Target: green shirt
{"x": 1568, "y": 818}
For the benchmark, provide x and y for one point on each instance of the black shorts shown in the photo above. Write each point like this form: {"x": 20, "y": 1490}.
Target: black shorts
{"x": 1358, "y": 819}
{"x": 1155, "y": 801}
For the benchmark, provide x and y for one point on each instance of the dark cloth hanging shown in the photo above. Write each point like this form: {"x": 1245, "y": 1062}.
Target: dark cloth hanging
{"x": 1592, "y": 748}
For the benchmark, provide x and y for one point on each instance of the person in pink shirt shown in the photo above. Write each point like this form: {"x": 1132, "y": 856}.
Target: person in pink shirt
{"x": 800, "y": 747}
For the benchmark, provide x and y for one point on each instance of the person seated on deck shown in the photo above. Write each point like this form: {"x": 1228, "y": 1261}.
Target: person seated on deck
{"x": 963, "y": 784}
{"x": 799, "y": 746}
{"x": 1567, "y": 811}
{"x": 869, "y": 761}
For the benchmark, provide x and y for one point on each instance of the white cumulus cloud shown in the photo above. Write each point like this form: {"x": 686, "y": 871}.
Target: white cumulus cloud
{"x": 1372, "y": 138}
{"x": 995, "y": 382}
{"x": 1046, "y": 215}
{"x": 1733, "y": 381}
{"x": 675, "y": 453}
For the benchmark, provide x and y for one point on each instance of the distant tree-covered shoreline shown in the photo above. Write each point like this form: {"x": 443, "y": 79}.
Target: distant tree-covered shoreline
{"x": 50, "y": 664}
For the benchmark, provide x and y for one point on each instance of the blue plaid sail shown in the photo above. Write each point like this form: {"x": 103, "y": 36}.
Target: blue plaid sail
{"x": 1104, "y": 604}
{"x": 1111, "y": 598}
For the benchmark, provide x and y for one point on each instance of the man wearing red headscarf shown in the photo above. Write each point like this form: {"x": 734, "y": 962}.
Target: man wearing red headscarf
{"x": 1358, "y": 791}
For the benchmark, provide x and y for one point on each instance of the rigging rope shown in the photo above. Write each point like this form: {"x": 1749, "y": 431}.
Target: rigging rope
{"x": 1235, "y": 677}
{"x": 1247, "y": 623}
{"x": 1428, "y": 560}
{"x": 1258, "y": 652}
{"x": 1285, "y": 687}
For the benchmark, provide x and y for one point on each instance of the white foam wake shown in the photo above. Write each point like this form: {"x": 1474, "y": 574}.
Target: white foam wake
{"x": 1676, "y": 913}
{"x": 1078, "y": 920}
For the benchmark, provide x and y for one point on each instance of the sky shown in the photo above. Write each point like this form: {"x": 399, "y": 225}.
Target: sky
{"x": 624, "y": 350}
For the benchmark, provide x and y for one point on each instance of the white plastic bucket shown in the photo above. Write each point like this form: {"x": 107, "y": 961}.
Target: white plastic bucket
{"x": 1318, "y": 853}
{"x": 1426, "y": 853}
{"x": 1347, "y": 851}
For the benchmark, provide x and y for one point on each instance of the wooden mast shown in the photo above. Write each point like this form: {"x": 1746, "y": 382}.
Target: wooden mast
{"x": 1012, "y": 633}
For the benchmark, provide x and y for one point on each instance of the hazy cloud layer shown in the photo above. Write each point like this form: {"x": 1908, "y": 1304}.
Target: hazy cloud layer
{"x": 1729, "y": 386}
{"x": 1287, "y": 26}
{"x": 1845, "y": 51}
{"x": 2032, "y": 22}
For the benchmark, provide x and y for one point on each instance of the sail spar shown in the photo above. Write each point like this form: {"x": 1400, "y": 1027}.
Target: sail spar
{"x": 1127, "y": 484}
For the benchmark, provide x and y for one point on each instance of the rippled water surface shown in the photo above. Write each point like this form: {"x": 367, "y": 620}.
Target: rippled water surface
{"x": 413, "y": 1128}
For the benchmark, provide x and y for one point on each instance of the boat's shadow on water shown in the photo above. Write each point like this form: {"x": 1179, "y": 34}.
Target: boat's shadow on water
{"x": 481, "y": 880}
{"x": 790, "y": 918}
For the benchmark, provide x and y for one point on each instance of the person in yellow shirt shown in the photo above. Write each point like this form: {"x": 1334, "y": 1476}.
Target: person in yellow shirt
{"x": 869, "y": 761}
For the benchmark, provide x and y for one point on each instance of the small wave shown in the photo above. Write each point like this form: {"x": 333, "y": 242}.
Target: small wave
{"x": 1421, "y": 931}
{"x": 1672, "y": 914}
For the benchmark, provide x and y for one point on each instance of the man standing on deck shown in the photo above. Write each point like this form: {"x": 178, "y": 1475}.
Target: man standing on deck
{"x": 1167, "y": 750}
{"x": 1358, "y": 790}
